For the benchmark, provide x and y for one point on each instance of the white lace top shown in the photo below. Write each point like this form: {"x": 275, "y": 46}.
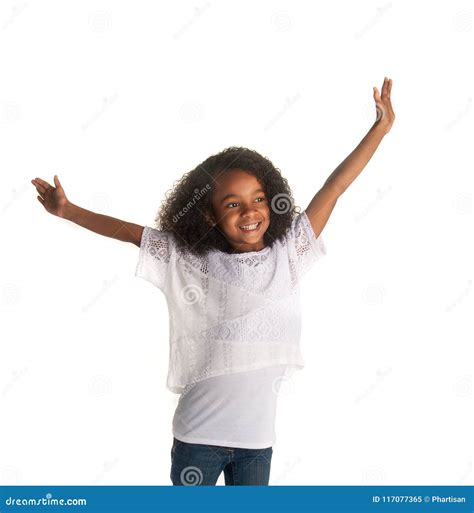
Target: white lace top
{"x": 230, "y": 312}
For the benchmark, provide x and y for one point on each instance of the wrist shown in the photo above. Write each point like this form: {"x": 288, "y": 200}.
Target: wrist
{"x": 380, "y": 128}
{"x": 68, "y": 211}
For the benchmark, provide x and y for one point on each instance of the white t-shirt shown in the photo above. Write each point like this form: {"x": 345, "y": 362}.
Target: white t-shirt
{"x": 234, "y": 312}
{"x": 232, "y": 410}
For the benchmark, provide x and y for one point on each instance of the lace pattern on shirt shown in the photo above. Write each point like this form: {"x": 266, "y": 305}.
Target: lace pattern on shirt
{"x": 230, "y": 312}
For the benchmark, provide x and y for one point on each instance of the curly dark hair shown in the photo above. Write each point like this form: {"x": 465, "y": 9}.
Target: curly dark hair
{"x": 183, "y": 210}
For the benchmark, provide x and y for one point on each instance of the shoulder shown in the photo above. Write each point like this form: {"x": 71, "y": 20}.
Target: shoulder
{"x": 300, "y": 226}
{"x": 158, "y": 241}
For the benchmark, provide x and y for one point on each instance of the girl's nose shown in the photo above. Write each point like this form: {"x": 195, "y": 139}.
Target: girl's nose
{"x": 249, "y": 213}
{"x": 250, "y": 209}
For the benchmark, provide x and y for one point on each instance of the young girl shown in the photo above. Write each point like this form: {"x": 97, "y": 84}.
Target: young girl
{"x": 229, "y": 251}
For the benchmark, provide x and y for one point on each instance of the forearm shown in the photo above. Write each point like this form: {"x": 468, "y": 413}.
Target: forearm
{"x": 350, "y": 168}
{"x": 103, "y": 225}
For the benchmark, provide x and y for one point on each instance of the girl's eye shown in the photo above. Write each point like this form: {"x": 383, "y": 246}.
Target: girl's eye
{"x": 235, "y": 203}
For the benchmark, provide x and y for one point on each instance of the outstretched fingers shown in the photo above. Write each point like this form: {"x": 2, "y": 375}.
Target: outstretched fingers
{"x": 43, "y": 183}
{"x": 384, "y": 97}
{"x": 385, "y": 86}
{"x": 57, "y": 183}
{"x": 41, "y": 186}
{"x": 387, "y": 99}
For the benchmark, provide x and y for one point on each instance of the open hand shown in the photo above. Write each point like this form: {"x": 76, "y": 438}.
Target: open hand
{"x": 383, "y": 105}
{"x": 53, "y": 199}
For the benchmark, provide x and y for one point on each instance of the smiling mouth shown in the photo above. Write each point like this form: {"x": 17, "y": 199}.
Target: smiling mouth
{"x": 250, "y": 227}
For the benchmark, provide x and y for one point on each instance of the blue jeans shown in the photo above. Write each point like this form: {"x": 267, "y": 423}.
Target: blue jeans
{"x": 201, "y": 465}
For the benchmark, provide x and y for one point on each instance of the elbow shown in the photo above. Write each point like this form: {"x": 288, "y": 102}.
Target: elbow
{"x": 335, "y": 188}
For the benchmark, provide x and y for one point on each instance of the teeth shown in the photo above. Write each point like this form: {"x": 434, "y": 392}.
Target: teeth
{"x": 250, "y": 227}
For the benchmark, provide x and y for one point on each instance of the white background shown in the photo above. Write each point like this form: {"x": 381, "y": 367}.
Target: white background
{"x": 120, "y": 99}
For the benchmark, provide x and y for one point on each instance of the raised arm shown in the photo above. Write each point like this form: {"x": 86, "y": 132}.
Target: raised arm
{"x": 55, "y": 202}
{"x": 322, "y": 205}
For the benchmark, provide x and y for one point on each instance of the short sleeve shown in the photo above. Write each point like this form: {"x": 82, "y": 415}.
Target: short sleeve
{"x": 156, "y": 248}
{"x": 307, "y": 248}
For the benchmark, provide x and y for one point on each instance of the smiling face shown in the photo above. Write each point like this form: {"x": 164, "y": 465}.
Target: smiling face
{"x": 239, "y": 200}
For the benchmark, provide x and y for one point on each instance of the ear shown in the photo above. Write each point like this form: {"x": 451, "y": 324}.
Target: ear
{"x": 210, "y": 220}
